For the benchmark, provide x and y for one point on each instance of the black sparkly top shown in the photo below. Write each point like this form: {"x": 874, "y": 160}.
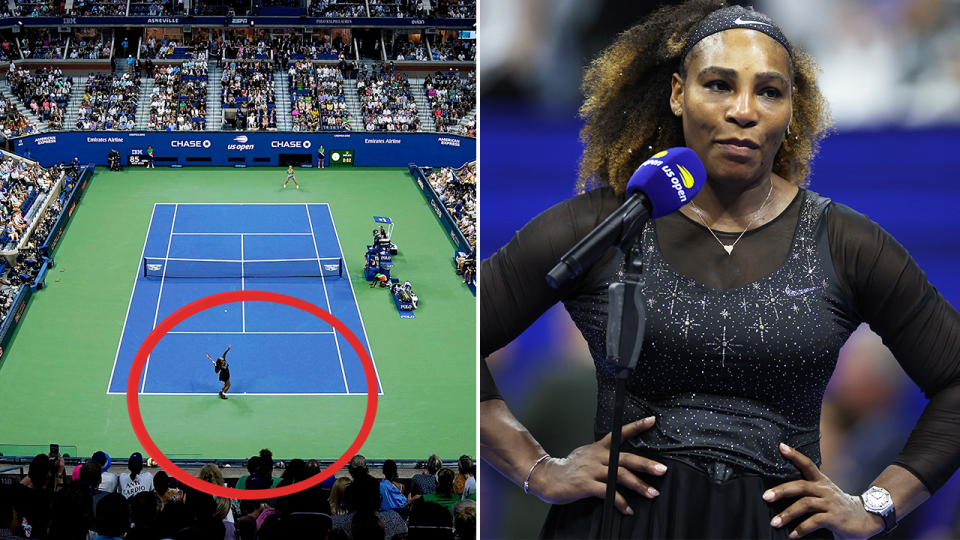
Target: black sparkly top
{"x": 739, "y": 348}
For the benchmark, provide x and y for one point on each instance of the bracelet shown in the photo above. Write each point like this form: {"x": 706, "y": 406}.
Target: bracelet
{"x": 526, "y": 483}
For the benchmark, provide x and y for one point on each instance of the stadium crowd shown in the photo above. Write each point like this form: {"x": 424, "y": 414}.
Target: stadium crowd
{"x": 457, "y": 190}
{"x": 23, "y": 186}
{"x": 179, "y": 98}
{"x": 53, "y": 502}
{"x": 459, "y": 9}
{"x": 317, "y": 102}
{"x": 295, "y": 47}
{"x": 98, "y": 8}
{"x": 37, "y": 8}
{"x": 109, "y": 102}
{"x": 45, "y": 92}
{"x": 248, "y": 87}
{"x": 454, "y": 49}
{"x": 338, "y": 8}
{"x": 12, "y": 122}
{"x": 451, "y": 97}
{"x": 410, "y": 51}
{"x": 386, "y": 102}
{"x": 42, "y": 43}
{"x": 89, "y": 45}
{"x": 154, "y": 8}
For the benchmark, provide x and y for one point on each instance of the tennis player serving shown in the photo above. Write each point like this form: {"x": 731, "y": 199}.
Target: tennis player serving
{"x": 221, "y": 366}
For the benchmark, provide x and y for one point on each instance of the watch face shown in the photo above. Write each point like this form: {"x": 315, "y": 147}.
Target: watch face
{"x": 877, "y": 500}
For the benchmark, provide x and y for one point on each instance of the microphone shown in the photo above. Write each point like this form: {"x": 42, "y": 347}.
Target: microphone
{"x": 660, "y": 186}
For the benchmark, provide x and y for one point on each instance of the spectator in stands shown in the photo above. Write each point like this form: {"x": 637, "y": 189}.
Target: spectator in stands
{"x": 367, "y": 526}
{"x": 265, "y": 469}
{"x": 391, "y": 490}
{"x": 426, "y": 482}
{"x": 92, "y": 474}
{"x": 9, "y": 519}
{"x": 113, "y": 517}
{"x": 337, "y": 502}
{"x": 363, "y": 495}
{"x": 444, "y": 493}
{"x": 145, "y": 508}
{"x": 252, "y": 465}
{"x": 109, "y": 481}
{"x": 211, "y": 473}
{"x": 34, "y": 494}
{"x": 470, "y": 486}
{"x": 357, "y": 467}
{"x": 204, "y": 523}
{"x": 465, "y": 519}
{"x": 463, "y": 471}
{"x": 136, "y": 480}
{"x": 71, "y": 514}
{"x": 430, "y": 514}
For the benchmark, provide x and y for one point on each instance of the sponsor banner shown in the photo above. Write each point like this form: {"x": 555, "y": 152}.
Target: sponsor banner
{"x": 176, "y": 166}
{"x": 255, "y": 148}
{"x": 449, "y": 141}
{"x": 456, "y": 237}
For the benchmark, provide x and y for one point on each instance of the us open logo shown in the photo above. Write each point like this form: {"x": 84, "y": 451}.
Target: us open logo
{"x": 154, "y": 267}
{"x": 242, "y": 139}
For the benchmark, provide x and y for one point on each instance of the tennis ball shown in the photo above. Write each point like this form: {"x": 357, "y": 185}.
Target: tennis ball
{"x": 224, "y": 311}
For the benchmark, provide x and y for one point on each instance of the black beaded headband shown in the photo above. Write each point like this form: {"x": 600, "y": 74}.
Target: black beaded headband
{"x": 735, "y": 17}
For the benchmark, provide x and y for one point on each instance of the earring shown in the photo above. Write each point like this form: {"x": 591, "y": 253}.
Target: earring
{"x": 678, "y": 112}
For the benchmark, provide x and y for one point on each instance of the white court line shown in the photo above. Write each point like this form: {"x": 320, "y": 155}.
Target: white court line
{"x": 352, "y": 291}
{"x": 160, "y": 295}
{"x": 336, "y": 341}
{"x": 241, "y": 233}
{"x": 247, "y": 204}
{"x": 243, "y": 305}
{"x": 238, "y": 260}
{"x": 130, "y": 303}
{"x": 265, "y": 333}
{"x": 234, "y": 394}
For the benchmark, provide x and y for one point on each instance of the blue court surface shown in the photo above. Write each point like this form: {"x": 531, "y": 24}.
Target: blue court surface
{"x": 195, "y": 250}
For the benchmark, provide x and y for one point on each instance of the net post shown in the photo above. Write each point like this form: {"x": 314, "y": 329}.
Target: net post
{"x": 144, "y": 267}
{"x": 340, "y": 269}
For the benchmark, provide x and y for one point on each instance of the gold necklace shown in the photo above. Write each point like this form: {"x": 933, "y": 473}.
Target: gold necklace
{"x": 729, "y": 248}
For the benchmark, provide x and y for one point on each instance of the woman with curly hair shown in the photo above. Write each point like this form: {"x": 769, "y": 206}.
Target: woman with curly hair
{"x": 721, "y": 427}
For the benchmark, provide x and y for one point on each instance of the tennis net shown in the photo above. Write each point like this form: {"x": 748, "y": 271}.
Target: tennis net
{"x": 219, "y": 268}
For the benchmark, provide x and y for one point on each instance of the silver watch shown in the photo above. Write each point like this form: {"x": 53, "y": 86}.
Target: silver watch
{"x": 877, "y": 500}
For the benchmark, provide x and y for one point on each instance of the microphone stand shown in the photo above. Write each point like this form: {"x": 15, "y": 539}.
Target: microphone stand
{"x": 626, "y": 325}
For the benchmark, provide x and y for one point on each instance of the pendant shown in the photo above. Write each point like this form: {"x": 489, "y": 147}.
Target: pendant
{"x": 729, "y": 249}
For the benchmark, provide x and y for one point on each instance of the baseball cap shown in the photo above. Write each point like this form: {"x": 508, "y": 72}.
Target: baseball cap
{"x": 136, "y": 459}
{"x": 103, "y": 459}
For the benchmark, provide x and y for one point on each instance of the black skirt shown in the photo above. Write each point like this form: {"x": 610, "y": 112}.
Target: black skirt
{"x": 225, "y": 375}
{"x": 691, "y": 504}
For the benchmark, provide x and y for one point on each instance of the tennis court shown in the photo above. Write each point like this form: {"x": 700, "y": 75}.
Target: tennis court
{"x": 195, "y": 250}
{"x": 65, "y": 373}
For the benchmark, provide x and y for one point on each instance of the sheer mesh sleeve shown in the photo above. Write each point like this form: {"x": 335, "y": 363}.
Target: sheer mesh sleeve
{"x": 514, "y": 291}
{"x": 890, "y": 292}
